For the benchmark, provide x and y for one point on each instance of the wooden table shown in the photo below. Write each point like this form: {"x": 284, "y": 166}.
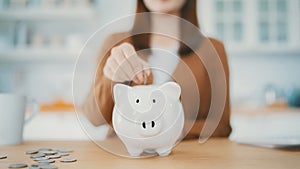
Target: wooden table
{"x": 216, "y": 153}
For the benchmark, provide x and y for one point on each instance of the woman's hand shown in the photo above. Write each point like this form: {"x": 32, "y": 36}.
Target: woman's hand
{"x": 124, "y": 64}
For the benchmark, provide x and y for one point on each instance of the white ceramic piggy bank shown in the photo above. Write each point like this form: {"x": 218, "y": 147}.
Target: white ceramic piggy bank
{"x": 148, "y": 118}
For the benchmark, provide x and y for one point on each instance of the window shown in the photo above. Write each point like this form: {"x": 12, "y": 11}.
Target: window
{"x": 273, "y": 25}
{"x": 264, "y": 31}
{"x": 263, "y": 6}
{"x": 220, "y": 30}
{"x": 263, "y": 25}
{"x": 238, "y": 31}
{"x": 229, "y": 20}
{"x": 281, "y": 6}
{"x": 281, "y": 24}
{"x": 256, "y": 22}
{"x": 237, "y": 6}
{"x": 282, "y": 31}
{"x": 219, "y": 6}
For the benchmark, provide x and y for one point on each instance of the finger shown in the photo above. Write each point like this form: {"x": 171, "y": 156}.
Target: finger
{"x": 117, "y": 54}
{"x": 113, "y": 71}
{"x": 119, "y": 75}
{"x": 108, "y": 72}
{"x": 132, "y": 57}
{"x": 137, "y": 67}
{"x": 113, "y": 67}
{"x": 128, "y": 50}
{"x": 146, "y": 68}
{"x": 136, "y": 80}
{"x": 140, "y": 77}
{"x": 123, "y": 63}
{"x": 111, "y": 62}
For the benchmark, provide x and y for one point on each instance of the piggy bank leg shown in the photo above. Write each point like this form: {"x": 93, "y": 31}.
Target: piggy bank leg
{"x": 164, "y": 151}
{"x": 135, "y": 152}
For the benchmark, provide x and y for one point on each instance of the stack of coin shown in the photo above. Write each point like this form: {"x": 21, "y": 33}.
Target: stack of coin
{"x": 44, "y": 158}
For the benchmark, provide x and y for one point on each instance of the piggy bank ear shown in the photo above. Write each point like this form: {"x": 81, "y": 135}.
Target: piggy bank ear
{"x": 171, "y": 89}
{"x": 120, "y": 90}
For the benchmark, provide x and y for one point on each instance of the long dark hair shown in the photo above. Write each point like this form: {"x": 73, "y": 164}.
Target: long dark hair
{"x": 187, "y": 12}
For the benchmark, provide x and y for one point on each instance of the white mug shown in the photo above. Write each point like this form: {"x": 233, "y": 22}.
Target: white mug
{"x": 12, "y": 118}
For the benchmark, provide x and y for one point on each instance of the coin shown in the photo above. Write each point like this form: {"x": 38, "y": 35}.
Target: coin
{"x": 49, "y": 152}
{"x": 17, "y": 165}
{"x": 3, "y": 156}
{"x": 43, "y": 163}
{"x": 68, "y": 160}
{"x": 34, "y": 167}
{"x": 49, "y": 167}
{"x": 45, "y": 149}
{"x": 37, "y": 155}
{"x": 46, "y": 161}
{"x": 41, "y": 158}
{"x": 30, "y": 152}
{"x": 63, "y": 154}
{"x": 55, "y": 156}
{"x": 39, "y": 164}
{"x": 62, "y": 150}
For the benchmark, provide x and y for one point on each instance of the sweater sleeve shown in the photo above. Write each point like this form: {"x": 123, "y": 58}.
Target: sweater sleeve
{"x": 223, "y": 129}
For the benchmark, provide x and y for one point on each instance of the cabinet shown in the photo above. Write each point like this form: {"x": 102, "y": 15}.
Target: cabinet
{"x": 39, "y": 44}
{"x": 255, "y": 28}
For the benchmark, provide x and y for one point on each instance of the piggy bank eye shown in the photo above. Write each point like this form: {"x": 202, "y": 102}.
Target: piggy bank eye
{"x": 137, "y": 100}
{"x": 153, "y": 101}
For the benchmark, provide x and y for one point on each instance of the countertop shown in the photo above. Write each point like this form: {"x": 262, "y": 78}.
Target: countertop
{"x": 215, "y": 153}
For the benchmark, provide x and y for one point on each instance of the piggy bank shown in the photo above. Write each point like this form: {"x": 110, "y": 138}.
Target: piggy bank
{"x": 148, "y": 118}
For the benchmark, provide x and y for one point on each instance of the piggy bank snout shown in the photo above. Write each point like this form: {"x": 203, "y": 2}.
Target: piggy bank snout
{"x": 150, "y": 128}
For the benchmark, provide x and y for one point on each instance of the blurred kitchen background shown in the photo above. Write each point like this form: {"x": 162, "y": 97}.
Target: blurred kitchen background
{"x": 41, "y": 39}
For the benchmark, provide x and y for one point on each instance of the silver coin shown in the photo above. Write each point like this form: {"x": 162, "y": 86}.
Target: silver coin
{"x": 41, "y": 158}
{"x": 56, "y": 149}
{"x": 68, "y": 160}
{"x": 39, "y": 164}
{"x": 49, "y": 152}
{"x": 37, "y": 155}
{"x": 55, "y": 156}
{"x": 30, "y": 152}
{"x": 17, "y": 165}
{"x": 3, "y": 156}
{"x": 63, "y": 154}
{"x": 62, "y": 150}
{"x": 46, "y": 161}
{"x": 45, "y": 149}
{"x": 49, "y": 167}
{"x": 34, "y": 167}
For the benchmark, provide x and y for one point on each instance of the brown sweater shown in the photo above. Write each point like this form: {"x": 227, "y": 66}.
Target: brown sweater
{"x": 99, "y": 103}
